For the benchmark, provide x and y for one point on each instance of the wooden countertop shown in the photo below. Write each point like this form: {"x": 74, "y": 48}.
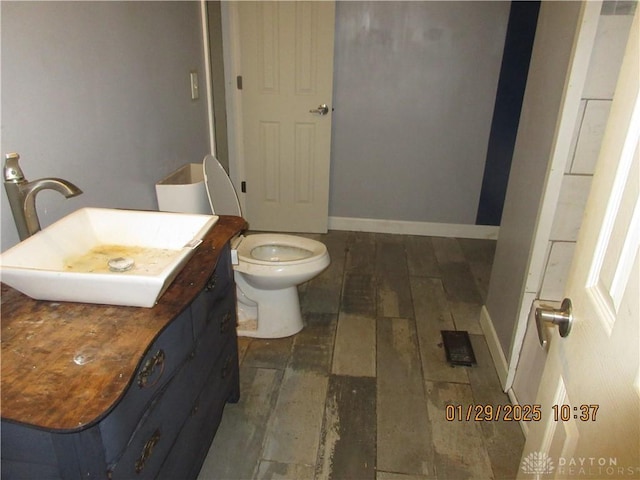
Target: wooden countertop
{"x": 64, "y": 365}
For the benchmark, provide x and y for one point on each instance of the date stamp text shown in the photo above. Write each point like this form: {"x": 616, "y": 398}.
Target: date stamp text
{"x": 518, "y": 413}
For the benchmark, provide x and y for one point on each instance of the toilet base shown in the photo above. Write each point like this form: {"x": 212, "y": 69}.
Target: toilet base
{"x": 277, "y": 311}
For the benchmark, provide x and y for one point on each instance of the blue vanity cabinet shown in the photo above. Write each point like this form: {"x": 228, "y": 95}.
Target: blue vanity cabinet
{"x": 165, "y": 359}
{"x": 165, "y": 420}
{"x": 191, "y": 447}
{"x": 218, "y": 285}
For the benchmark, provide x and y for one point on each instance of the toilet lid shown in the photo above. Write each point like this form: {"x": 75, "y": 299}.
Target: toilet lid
{"x": 222, "y": 195}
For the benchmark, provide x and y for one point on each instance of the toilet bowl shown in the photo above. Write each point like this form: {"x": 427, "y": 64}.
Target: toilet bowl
{"x": 269, "y": 266}
{"x": 269, "y": 269}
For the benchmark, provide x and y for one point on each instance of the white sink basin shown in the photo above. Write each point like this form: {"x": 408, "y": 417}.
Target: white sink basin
{"x": 69, "y": 260}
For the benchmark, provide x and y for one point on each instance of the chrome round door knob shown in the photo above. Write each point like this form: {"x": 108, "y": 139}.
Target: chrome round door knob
{"x": 561, "y": 317}
{"x": 321, "y": 110}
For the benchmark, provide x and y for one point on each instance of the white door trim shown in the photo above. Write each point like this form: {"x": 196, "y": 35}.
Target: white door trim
{"x": 231, "y": 55}
{"x": 204, "y": 20}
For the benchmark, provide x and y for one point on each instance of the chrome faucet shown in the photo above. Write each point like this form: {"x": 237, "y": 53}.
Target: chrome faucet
{"x": 22, "y": 194}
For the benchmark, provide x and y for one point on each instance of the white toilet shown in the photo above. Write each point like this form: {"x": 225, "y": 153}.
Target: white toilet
{"x": 270, "y": 266}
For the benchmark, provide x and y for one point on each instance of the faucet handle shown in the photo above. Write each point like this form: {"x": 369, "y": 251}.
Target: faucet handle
{"x": 12, "y": 171}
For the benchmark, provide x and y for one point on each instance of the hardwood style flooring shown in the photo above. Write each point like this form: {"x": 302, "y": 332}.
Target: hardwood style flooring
{"x": 362, "y": 391}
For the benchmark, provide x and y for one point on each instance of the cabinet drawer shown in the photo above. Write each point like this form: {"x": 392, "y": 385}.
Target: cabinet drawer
{"x": 156, "y": 432}
{"x": 220, "y": 328}
{"x": 188, "y": 453}
{"x": 159, "y": 365}
{"x": 215, "y": 288}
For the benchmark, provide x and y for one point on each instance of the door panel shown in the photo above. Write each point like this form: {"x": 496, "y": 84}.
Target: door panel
{"x": 590, "y": 392}
{"x": 287, "y": 70}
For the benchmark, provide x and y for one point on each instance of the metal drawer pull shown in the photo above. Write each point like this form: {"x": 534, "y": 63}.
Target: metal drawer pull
{"x": 225, "y": 324}
{"x": 211, "y": 283}
{"x": 149, "y": 367}
{"x": 147, "y": 450}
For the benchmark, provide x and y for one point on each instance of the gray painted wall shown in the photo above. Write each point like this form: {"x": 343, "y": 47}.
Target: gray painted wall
{"x": 414, "y": 89}
{"x": 98, "y": 93}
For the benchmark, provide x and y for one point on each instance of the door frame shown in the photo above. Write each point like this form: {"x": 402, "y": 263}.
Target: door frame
{"x": 232, "y": 64}
{"x": 584, "y": 42}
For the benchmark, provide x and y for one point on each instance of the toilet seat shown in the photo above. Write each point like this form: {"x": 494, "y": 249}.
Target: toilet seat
{"x": 269, "y": 249}
{"x": 279, "y": 249}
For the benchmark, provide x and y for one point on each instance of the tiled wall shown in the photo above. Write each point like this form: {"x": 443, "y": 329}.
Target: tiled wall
{"x": 618, "y": 7}
{"x": 613, "y": 30}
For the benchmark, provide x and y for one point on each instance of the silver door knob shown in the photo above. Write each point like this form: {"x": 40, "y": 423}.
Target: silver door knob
{"x": 321, "y": 110}
{"x": 561, "y": 317}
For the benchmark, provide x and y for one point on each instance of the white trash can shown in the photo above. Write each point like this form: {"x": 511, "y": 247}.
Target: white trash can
{"x": 184, "y": 191}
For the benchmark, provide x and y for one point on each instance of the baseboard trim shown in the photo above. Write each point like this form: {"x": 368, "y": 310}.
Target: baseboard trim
{"x": 403, "y": 227}
{"x": 524, "y": 425}
{"x": 490, "y": 335}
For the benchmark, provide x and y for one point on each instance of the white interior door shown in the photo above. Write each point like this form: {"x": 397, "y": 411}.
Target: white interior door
{"x": 286, "y": 51}
{"x": 590, "y": 388}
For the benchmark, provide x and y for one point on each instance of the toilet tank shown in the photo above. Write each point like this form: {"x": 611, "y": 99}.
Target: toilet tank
{"x": 184, "y": 191}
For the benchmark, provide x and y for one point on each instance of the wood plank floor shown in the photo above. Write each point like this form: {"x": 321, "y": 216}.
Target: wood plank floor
{"x": 362, "y": 391}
